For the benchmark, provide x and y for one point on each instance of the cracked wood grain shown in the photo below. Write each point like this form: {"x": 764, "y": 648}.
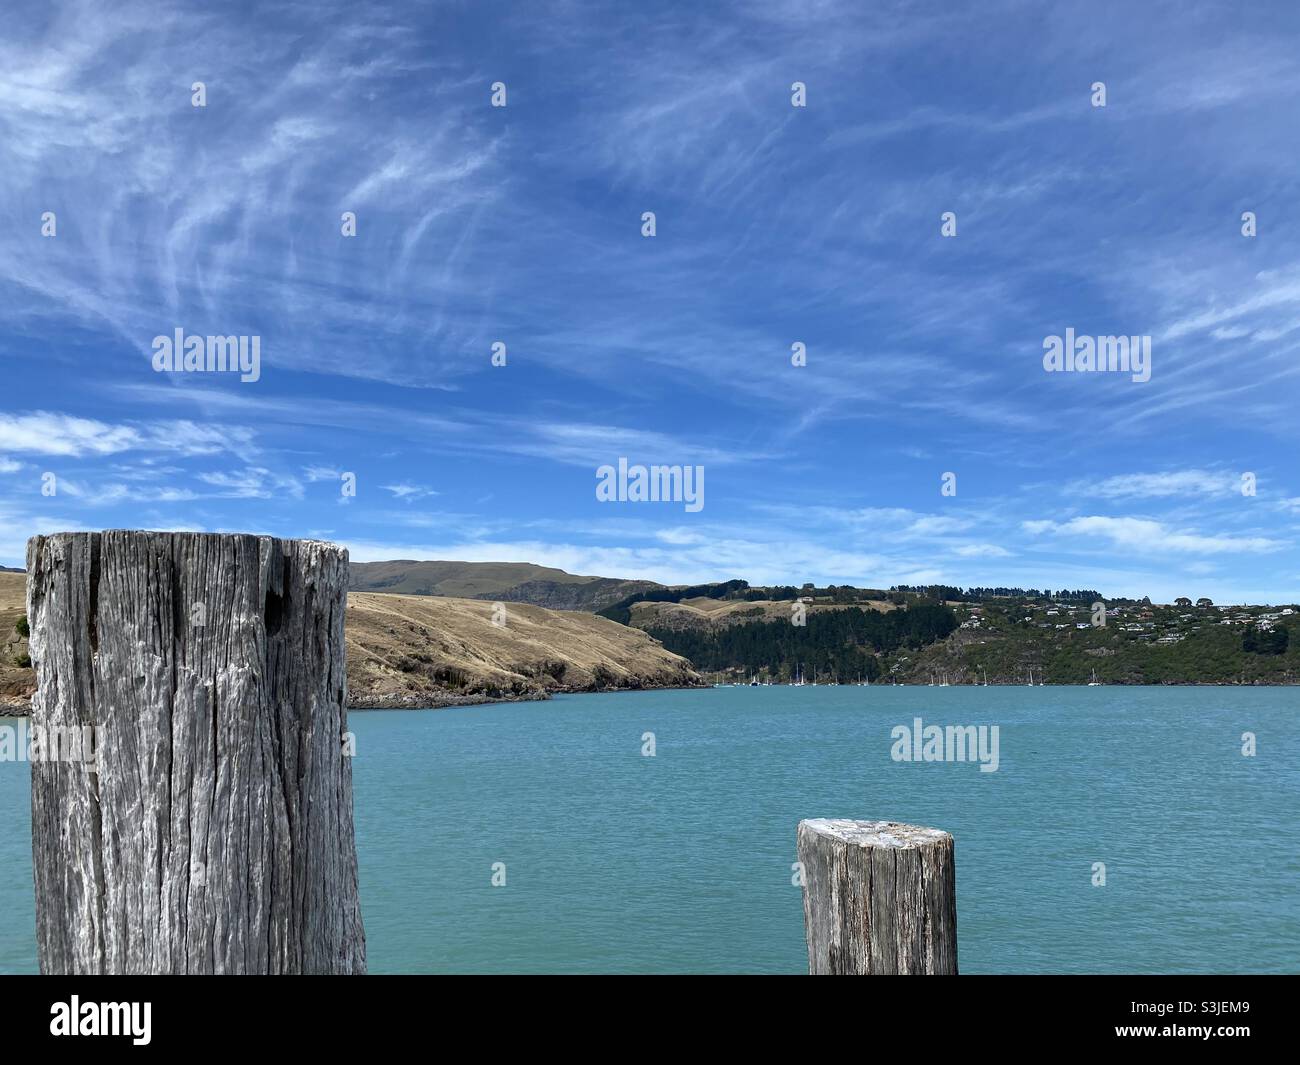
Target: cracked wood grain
{"x": 879, "y": 898}
{"x": 215, "y": 832}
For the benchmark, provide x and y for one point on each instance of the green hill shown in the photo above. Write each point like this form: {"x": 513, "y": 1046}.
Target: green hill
{"x": 964, "y": 637}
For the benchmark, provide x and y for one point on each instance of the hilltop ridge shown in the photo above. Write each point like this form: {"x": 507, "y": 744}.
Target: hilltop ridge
{"x": 414, "y": 643}
{"x": 506, "y": 582}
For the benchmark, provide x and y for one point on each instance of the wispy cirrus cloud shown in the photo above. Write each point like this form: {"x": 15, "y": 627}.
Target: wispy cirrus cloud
{"x": 253, "y": 482}
{"x": 111, "y": 493}
{"x": 209, "y": 189}
{"x": 521, "y": 226}
{"x": 409, "y": 493}
{"x": 54, "y": 434}
{"x": 1172, "y": 483}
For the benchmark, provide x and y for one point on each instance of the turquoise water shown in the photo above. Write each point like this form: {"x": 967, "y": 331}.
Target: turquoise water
{"x": 617, "y": 862}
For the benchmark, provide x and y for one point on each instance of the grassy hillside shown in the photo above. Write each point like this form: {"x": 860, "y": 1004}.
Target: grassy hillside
{"x": 703, "y": 613}
{"x": 409, "y": 650}
{"x": 467, "y": 580}
{"x": 405, "y": 650}
{"x": 17, "y": 681}
{"x": 13, "y": 595}
{"x": 507, "y": 582}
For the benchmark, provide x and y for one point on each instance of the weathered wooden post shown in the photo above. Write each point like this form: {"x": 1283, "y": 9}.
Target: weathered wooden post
{"x": 878, "y": 898}
{"x": 213, "y": 831}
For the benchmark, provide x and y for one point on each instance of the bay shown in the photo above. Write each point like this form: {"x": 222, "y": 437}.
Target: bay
{"x": 615, "y": 862}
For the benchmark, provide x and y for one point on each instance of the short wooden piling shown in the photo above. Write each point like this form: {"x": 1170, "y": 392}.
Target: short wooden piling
{"x": 213, "y": 831}
{"x": 878, "y": 898}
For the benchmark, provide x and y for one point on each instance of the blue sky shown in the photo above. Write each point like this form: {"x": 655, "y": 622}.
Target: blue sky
{"x": 774, "y": 225}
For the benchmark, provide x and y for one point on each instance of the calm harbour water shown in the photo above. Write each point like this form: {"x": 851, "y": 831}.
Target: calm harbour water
{"x": 617, "y": 863}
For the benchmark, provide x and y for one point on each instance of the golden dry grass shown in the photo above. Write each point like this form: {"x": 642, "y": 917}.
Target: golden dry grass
{"x": 404, "y": 647}
{"x": 13, "y": 594}
{"x": 416, "y": 650}
{"x": 715, "y": 613}
{"x": 16, "y": 682}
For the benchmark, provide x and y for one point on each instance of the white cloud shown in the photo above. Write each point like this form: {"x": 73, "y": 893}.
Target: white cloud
{"x": 253, "y": 482}
{"x": 1169, "y": 483}
{"x": 321, "y": 473}
{"x": 680, "y": 536}
{"x": 1152, "y": 537}
{"x": 94, "y": 494}
{"x": 43, "y": 433}
{"x": 936, "y": 525}
{"x": 982, "y": 551}
{"x": 47, "y": 433}
{"x": 408, "y": 492}
{"x": 1270, "y": 297}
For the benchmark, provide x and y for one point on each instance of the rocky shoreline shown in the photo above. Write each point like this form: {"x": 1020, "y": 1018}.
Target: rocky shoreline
{"x": 22, "y": 706}
{"x": 11, "y": 706}
{"x": 441, "y": 701}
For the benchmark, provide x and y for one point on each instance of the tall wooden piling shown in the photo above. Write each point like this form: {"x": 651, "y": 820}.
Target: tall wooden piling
{"x": 878, "y": 898}
{"x": 213, "y": 831}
